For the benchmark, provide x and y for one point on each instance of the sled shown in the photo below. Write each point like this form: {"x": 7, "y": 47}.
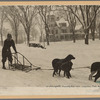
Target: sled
{"x": 19, "y": 63}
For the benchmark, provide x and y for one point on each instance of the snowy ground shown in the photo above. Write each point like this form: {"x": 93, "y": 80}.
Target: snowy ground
{"x": 85, "y": 56}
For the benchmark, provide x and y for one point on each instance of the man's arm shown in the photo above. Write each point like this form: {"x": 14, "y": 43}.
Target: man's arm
{"x": 13, "y": 45}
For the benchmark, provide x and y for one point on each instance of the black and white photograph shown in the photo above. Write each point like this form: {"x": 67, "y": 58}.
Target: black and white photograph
{"x": 54, "y": 48}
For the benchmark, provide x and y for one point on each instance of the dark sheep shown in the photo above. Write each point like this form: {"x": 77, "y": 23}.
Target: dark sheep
{"x": 66, "y": 67}
{"x": 56, "y": 63}
{"x": 95, "y": 67}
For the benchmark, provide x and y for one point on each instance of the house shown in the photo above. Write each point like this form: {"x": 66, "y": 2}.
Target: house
{"x": 61, "y": 30}
{"x": 64, "y": 28}
{"x": 58, "y": 28}
{"x": 53, "y": 27}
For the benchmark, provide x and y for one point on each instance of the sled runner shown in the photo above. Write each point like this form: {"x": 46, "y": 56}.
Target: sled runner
{"x": 20, "y": 62}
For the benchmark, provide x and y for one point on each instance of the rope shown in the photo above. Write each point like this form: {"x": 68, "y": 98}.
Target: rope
{"x": 45, "y": 69}
{"x": 80, "y": 67}
{"x": 72, "y": 68}
{"x": 38, "y": 67}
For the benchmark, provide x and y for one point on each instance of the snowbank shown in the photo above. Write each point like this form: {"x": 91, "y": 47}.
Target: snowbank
{"x": 85, "y": 56}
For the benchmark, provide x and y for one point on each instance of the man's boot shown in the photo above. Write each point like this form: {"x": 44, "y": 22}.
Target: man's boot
{"x": 10, "y": 63}
{"x": 3, "y": 66}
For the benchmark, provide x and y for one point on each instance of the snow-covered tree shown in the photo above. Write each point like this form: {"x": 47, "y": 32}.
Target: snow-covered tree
{"x": 2, "y": 18}
{"x": 10, "y": 13}
{"x": 44, "y": 11}
{"x": 26, "y": 15}
{"x": 83, "y": 15}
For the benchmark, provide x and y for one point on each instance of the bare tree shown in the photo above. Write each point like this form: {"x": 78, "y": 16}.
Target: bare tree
{"x": 99, "y": 30}
{"x": 2, "y": 21}
{"x": 98, "y": 24}
{"x": 93, "y": 26}
{"x": 10, "y": 13}
{"x": 63, "y": 11}
{"x": 41, "y": 27}
{"x": 26, "y": 15}
{"x": 44, "y": 11}
{"x": 84, "y": 18}
{"x": 71, "y": 20}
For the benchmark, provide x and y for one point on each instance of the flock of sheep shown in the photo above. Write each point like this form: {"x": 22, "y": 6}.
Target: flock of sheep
{"x": 66, "y": 66}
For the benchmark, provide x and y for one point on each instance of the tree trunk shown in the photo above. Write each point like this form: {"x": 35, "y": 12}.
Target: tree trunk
{"x": 43, "y": 41}
{"x": 86, "y": 36}
{"x": 87, "y": 29}
{"x": 99, "y": 36}
{"x": 16, "y": 35}
{"x": 1, "y": 38}
{"x": 86, "y": 39}
{"x": 28, "y": 36}
{"x": 74, "y": 40}
{"x": 93, "y": 35}
{"x": 47, "y": 35}
{"x": 1, "y": 33}
{"x": 28, "y": 39}
{"x": 47, "y": 38}
{"x": 93, "y": 27}
{"x": 99, "y": 33}
{"x": 41, "y": 37}
{"x": 16, "y": 38}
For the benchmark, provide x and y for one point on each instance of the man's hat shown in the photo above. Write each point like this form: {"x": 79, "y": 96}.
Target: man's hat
{"x": 9, "y": 35}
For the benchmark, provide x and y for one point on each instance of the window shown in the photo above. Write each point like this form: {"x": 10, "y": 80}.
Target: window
{"x": 52, "y": 31}
{"x": 64, "y": 31}
{"x": 52, "y": 25}
{"x": 52, "y": 19}
{"x": 63, "y": 24}
{"x": 56, "y": 31}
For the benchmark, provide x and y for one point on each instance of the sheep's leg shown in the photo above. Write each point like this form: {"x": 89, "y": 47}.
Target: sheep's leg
{"x": 59, "y": 71}
{"x": 67, "y": 74}
{"x": 92, "y": 73}
{"x": 53, "y": 73}
{"x": 96, "y": 77}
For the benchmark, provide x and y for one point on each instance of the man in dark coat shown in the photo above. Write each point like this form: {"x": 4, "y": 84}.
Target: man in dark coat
{"x": 6, "y": 52}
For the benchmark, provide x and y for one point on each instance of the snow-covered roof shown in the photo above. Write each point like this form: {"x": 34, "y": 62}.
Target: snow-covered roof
{"x": 62, "y": 20}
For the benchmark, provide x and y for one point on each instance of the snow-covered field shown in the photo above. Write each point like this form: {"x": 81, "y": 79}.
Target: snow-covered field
{"x": 85, "y": 55}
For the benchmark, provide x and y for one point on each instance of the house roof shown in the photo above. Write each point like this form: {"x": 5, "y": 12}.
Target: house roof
{"x": 62, "y": 20}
